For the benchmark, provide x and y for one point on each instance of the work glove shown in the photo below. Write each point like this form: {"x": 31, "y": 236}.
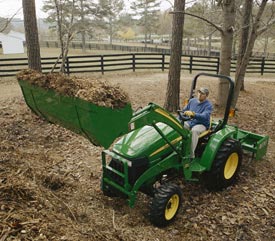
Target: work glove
{"x": 189, "y": 113}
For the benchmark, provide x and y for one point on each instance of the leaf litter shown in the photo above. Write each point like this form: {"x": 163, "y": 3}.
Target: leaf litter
{"x": 50, "y": 183}
{"x": 99, "y": 92}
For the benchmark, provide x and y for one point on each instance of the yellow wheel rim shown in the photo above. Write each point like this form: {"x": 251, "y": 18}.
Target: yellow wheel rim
{"x": 172, "y": 207}
{"x": 231, "y": 165}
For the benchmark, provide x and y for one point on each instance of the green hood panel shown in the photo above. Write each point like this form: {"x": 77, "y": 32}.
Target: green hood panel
{"x": 146, "y": 141}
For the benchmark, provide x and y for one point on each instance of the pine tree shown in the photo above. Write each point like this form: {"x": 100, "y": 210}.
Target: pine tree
{"x": 147, "y": 13}
{"x": 112, "y": 10}
{"x": 31, "y": 31}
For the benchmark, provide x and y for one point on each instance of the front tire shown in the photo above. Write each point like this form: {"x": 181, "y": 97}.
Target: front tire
{"x": 165, "y": 204}
{"x": 225, "y": 166}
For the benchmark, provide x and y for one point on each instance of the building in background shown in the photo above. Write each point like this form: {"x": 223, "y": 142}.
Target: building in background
{"x": 12, "y": 42}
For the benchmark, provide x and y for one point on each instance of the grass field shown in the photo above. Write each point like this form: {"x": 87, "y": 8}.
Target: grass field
{"x": 54, "y": 52}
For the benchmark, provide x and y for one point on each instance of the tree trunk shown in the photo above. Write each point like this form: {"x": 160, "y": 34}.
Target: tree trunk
{"x": 241, "y": 67}
{"x": 83, "y": 41}
{"x": 111, "y": 32}
{"x": 65, "y": 33}
{"x": 145, "y": 26}
{"x": 265, "y": 47}
{"x": 173, "y": 86}
{"x": 31, "y": 31}
{"x": 59, "y": 17}
{"x": 188, "y": 45}
{"x": 248, "y": 6}
{"x": 209, "y": 44}
{"x": 226, "y": 48}
{"x": 83, "y": 32}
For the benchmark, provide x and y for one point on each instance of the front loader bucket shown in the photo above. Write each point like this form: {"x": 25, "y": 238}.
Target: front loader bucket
{"x": 101, "y": 125}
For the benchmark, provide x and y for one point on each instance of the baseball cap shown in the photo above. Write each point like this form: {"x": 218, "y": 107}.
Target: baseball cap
{"x": 204, "y": 90}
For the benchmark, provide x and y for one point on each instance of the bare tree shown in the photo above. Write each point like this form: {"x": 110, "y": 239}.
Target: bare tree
{"x": 173, "y": 86}
{"x": 246, "y": 44}
{"x": 63, "y": 15}
{"x": 245, "y": 27}
{"x": 255, "y": 30}
{"x": 226, "y": 30}
{"x": 4, "y": 23}
{"x": 83, "y": 33}
{"x": 31, "y": 31}
{"x": 70, "y": 18}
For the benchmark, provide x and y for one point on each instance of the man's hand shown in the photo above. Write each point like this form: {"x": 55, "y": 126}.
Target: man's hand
{"x": 189, "y": 113}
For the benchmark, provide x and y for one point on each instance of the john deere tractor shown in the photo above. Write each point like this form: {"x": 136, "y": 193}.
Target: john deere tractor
{"x": 154, "y": 148}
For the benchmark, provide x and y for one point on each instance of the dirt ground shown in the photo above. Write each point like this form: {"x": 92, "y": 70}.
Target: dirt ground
{"x": 50, "y": 177}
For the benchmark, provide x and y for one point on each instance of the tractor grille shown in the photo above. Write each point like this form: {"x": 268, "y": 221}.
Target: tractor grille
{"x": 135, "y": 168}
{"x": 118, "y": 166}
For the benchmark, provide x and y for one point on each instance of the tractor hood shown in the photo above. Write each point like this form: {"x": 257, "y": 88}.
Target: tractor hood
{"x": 146, "y": 142}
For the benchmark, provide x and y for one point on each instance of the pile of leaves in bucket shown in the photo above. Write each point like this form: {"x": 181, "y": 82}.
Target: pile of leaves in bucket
{"x": 96, "y": 91}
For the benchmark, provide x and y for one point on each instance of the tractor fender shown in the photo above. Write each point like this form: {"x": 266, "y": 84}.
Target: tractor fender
{"x": 214, "y": 144}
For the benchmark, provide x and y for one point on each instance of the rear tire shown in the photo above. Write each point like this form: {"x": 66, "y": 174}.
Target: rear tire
{"x": 225, "y": 166}
{"x": 165, "y": 204}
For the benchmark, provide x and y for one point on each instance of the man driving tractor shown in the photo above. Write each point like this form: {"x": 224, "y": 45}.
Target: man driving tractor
{"x": 199, "y": 110}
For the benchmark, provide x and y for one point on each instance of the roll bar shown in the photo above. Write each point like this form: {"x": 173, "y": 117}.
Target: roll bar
{"x": 230, "y": 94}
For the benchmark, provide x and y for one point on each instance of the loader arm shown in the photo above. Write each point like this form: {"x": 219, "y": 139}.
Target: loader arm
{"x": 153, "y": 113}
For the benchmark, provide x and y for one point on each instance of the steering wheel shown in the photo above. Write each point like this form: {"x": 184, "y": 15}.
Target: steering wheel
{"x": 183, "y": 117}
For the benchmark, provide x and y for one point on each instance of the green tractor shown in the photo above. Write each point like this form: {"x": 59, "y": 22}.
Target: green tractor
{"x": 154, "y": 148}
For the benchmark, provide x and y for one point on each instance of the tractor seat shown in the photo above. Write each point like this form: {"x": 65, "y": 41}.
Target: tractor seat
{"x": 208, "y": 131}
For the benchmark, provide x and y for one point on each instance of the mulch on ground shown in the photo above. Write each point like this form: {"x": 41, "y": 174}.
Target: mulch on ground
{"x": 50, "y": 180}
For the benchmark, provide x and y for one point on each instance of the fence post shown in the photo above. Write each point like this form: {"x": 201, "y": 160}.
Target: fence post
{"x": 134, "y": 62}
{"x": 102, "y": 64}
{"x": 162, "y": 62}
{"x": 67, "y": 65}
{"x": 190, "y": 64}
{"x": 262, "y": 66}
{"x": 218, "y": 65}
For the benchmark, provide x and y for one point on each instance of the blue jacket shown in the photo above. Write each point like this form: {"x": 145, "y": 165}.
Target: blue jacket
{"x": 202, "y": 111}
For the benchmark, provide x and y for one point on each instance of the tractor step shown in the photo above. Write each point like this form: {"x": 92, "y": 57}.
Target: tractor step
{"x": 191, "y": 168}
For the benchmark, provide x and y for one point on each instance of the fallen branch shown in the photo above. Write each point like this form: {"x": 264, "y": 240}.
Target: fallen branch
{"x": 114, "y": 225}
{"x": 70, "y": 211}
